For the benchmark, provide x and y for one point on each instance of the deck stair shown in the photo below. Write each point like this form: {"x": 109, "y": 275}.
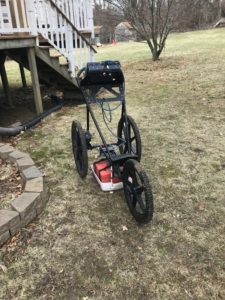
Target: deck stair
{"x": 60, "y": 49}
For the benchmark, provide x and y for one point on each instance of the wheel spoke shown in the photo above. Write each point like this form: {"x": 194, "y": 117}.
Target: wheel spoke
{"x": 128, "y": 138}
{"x": 125, "y": 149}
{"x": 139, "y": 190}
{"x": 134, "y": 178}
{"x": 125, "y": 133}
{"x": 132, "y": 150}
{"x": 129, "y": 186}
{"x": 129, "y": 130}
{"x": 136, "y": 190}
{"x": 134, "y": 202}
{"x": 140, "y": 201}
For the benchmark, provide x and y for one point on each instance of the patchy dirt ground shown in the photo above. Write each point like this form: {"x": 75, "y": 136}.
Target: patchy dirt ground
{"x": 23, "y": 109}
{"x": 78, "y": 248}
{"x": 10, "y": 183}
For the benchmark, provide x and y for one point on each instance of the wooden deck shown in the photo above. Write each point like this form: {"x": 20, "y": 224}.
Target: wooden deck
{"x": 17, "y": 41}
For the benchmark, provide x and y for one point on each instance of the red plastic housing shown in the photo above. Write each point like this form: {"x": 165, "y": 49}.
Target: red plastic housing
{"x": 103, "y": 171}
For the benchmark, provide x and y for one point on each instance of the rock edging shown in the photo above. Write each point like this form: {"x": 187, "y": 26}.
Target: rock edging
{"x": 30, "y": 204}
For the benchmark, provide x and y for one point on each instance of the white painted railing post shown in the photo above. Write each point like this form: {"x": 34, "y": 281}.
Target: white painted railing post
{"x": 31, "y": 13}
{"x": 70, "y": 50}
{"x": 91, "y": 56}
{"x": 90, "y": 17}
{"x": 1, "y": 17}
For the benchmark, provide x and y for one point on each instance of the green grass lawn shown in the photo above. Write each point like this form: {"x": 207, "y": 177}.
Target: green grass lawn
{"x": 178, "y": 44}
{"x": 77, "y": 249}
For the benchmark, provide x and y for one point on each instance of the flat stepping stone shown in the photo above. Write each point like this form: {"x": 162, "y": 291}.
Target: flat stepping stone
{"x": 24, "y": 163}
{"x": 35, "y": 185}
{"x": 5, "y": 150}
{"x": 31, "y": 173}
{"x": 15, "y": 155}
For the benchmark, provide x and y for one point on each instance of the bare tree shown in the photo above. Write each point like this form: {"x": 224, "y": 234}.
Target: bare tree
{"x": 195, "y": 14}
{"x": 222, "y": 7}
{"x": 152, "y": 19}
{"x": 108, "y": 17}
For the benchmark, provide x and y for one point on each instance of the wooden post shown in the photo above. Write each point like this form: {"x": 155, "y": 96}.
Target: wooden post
{"x": 35, "y": 80}
{"x": 23, "y": 76}
{"x": 5, "y": 82}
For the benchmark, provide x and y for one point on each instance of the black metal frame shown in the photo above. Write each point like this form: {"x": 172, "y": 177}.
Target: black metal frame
{"x": 109, "y": 78}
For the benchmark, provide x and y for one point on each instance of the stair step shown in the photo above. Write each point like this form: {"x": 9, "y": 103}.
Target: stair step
{"x": 53, "y": 70}
{"x": 45, "y": 47}
{"x": 57, "y": 55}
{"x": 44, "y": 43}
{"x": 66, "y": 64}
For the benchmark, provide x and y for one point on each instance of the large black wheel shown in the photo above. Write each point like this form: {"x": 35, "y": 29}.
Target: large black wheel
{"x": 79, "y": 149}
{"x": 138, "y": 192}
{"x": 132, "y": 134}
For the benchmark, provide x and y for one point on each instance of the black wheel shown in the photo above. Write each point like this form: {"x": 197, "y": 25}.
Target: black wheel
{"x": 79, "y": 149}
{"x": 138, "y": 192}
{"x": 133, "y": 136}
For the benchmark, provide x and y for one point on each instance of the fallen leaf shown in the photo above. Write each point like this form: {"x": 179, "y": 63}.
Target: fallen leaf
{"x": 200, "y": 206}
{"x": 3, "y": 267}
{"x": 124, "y": 228}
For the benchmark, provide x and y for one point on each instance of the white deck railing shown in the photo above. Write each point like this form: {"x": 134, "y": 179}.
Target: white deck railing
{"x": 13, "y": 16}
{"x": 57, "y": 21}
{"x": 80, "y": 12}
{"x": 60, "y": 32}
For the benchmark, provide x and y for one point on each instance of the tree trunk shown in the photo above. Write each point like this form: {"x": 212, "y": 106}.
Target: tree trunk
{"x": 154, "y": 51}
{"x": 155, "y": 54}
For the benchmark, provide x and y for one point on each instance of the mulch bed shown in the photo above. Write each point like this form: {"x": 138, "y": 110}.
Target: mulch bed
{"x": 10, "y": 184}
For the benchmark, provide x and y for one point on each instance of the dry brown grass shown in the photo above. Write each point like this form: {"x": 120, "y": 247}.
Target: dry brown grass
{"x": 78, "y": 249}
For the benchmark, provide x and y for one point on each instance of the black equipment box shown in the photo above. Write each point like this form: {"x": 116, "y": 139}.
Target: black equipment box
{"x": 103, "y": 73}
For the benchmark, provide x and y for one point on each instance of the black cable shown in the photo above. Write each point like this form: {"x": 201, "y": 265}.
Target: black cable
{"x": 104, "y": 110}
{"x": 109, "y": 120}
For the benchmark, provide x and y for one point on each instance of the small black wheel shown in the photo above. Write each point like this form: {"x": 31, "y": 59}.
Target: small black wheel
{"x": 79, "y": 149}
{"x": 138, "y": 192}
{"x": 132, "y": 134}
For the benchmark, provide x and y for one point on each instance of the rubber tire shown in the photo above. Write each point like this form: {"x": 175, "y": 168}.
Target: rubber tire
{"x": 147, "y": 216}
{"x": 76, "y": 129}
{"x": 136, "y": 131}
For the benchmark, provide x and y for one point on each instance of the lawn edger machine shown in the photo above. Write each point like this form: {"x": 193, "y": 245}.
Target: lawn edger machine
{"x": 118, "y": 164}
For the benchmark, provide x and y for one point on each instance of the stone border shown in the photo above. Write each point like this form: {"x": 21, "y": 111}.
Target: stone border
{"x": 30, "y": 204}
